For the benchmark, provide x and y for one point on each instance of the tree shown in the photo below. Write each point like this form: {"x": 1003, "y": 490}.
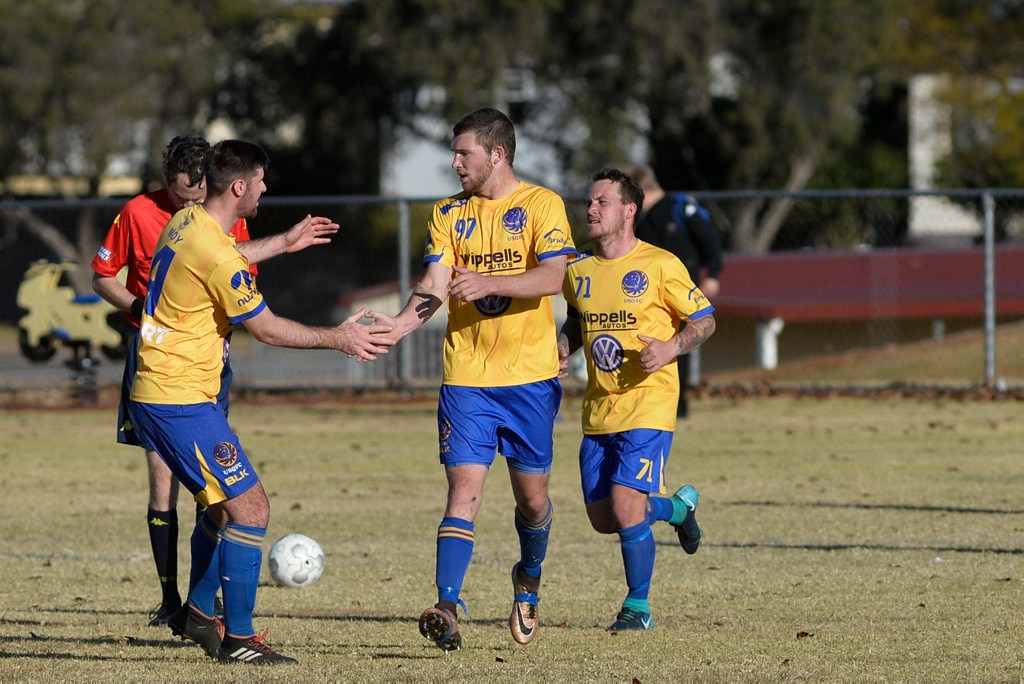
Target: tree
{"x": 313, "y": 89}
{"x": 976, "y": 46}
{"x": 782, "y": 85}
{"x": 739, "y": 94}
{"x": 84, "y": 84}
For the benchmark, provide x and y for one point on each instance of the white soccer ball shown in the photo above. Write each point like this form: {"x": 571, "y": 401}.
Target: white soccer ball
{"x": 295, "y": 560}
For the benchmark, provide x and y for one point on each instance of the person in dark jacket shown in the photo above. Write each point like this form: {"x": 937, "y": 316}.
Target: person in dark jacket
{"x": 677, "y": 222}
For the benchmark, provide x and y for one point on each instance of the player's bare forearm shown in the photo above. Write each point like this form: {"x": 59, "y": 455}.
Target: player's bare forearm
{"x": 421, "y": 306}
{"x": 112, "y": 291}
{"x": 426, "y": 298}
{"x": 351, "y": 337}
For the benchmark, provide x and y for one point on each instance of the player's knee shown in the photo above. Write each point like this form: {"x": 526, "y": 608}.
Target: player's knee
{"x": 602, "y": 521}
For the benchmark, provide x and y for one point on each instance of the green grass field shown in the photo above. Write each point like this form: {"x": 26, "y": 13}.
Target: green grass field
{"x": 845, "y": 539}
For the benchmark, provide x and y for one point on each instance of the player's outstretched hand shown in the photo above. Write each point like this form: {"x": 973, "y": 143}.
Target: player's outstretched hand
{"x": 312, "y": 230}
{"x": 363, "y": 341}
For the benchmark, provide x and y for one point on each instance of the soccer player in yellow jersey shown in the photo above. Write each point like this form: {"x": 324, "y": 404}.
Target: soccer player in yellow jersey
{"x": 626, "y": 301}
{"x": 495, "y": 252}
{"x": 129, "y": 244}
{"x": 200, "y": 287}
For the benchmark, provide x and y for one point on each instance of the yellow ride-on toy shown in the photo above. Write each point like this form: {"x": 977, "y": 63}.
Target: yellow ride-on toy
{"x": 57, "y": 313}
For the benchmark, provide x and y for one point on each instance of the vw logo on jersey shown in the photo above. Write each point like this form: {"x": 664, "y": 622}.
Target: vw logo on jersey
{"x": 493, "y": 305}
{"x": 607, "y": 353}
{"x": 514, "y": 220}
{"x": 225, "y": 454}
{"x": 635, "y": 283}
{"x": 242, "y": 279}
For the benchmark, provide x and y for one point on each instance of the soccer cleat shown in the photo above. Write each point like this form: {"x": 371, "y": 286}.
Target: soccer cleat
{"x": 524, "y": 620}
{"x": 440, "y": 626}
{"x": 189, "y": 623}
{"x": 161, "y": 615}
{"x": 629, "y": 619}
{"x": 688, "y": 530}
{"x": 253, "y": 650}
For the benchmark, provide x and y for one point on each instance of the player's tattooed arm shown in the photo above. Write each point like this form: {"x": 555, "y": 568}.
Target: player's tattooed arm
{"x": 694, "y": 334}
{"x": 570, "y": 338}
{"x": 425, "y": 303}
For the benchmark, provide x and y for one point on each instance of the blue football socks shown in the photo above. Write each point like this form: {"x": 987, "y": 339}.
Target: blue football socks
{"x": 533, "y": 541}
{"x": 204, "y": 578}
{"x": 454, "y": 551}
{"x": 241, "y": 556}
{"x": 638, "y": 551}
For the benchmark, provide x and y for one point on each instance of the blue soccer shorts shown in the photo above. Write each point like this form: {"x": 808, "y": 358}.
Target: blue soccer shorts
{"x": 634, "y": 459}
{"x": 199, "y": 447}
{"x": 476, "y": 423}
{"x": 126, "y": 433}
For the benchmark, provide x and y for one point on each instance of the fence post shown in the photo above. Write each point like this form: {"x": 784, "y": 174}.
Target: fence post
{"x": 405, "y": 352}
{"x": 990, "y": 289}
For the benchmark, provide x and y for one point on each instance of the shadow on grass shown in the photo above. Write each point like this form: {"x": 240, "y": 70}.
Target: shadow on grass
{"x": 866, "y": 547}
{"x": 295, "y": 615}
{"x": 827, "y": 546}
{"x": 874, "y": 506}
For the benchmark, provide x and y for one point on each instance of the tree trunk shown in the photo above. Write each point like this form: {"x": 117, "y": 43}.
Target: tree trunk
{"x": 756, "y": 231}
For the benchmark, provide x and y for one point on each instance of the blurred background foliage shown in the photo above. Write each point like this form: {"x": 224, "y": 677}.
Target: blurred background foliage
{"x": 720, "y": 94}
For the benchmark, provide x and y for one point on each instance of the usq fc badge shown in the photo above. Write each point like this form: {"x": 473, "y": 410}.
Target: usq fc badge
{"x": 634, "y": 284}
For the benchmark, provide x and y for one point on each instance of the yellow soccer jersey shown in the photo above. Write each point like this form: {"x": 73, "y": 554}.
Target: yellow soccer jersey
{"x": 499, "y": 341}
{"x": 646, "y": 292}
{"x": 199, "y": 288}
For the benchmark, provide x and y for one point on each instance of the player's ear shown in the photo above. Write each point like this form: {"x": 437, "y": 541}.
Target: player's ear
{"x": 238, "y": 187}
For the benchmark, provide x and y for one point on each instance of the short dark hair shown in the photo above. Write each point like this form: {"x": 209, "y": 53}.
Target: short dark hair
{"x": 492, "y": 129}
{"x": 230, "y": 160}
{"x": 185, "y": 154}
{"x": 629, "y": 190}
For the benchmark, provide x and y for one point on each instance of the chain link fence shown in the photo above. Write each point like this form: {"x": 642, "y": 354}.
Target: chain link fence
{"x": 819, "y": 288}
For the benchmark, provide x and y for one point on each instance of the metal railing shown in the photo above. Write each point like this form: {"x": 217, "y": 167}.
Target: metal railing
{"x": 376, "y": 257}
